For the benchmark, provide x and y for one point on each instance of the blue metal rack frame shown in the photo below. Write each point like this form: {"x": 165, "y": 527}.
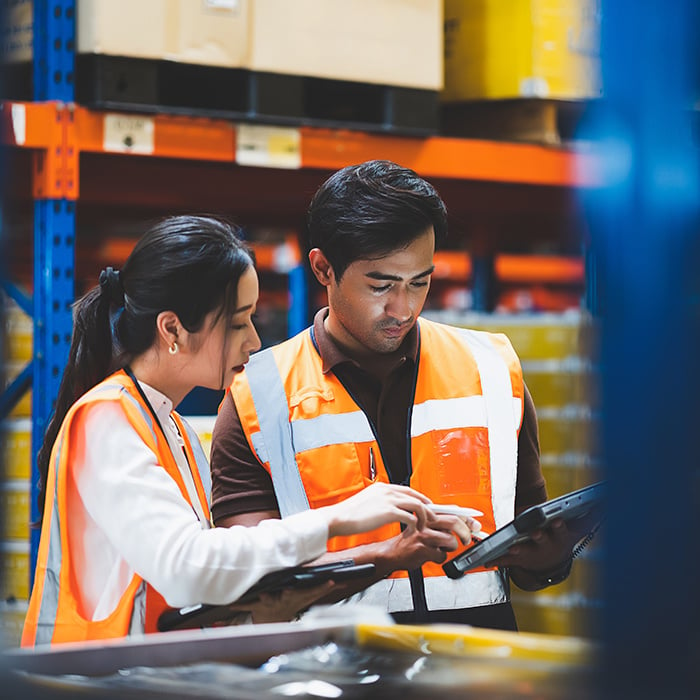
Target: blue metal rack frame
{"x": 54, "y": 240}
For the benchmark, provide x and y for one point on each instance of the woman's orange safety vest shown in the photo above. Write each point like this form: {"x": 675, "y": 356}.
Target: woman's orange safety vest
{"x": 54, "y": 606}
{"x": 320, "y": 447}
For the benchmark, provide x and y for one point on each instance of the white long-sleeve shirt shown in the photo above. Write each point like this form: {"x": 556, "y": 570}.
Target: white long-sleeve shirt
{"x": 130, "y": 517}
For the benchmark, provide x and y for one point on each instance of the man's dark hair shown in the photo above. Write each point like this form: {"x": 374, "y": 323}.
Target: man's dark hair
{"x": 368, "y": 210}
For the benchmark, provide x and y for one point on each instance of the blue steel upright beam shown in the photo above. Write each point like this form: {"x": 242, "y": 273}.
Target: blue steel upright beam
{"x": 54, "y": 235}
{"x": 645, "y": 226}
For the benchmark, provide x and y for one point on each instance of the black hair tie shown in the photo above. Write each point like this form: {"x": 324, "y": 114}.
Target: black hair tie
{"x": 111, "y": 286}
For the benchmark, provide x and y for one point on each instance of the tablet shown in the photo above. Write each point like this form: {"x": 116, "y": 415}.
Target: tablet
{"x": 581, "y": 509}
{"x": 203, "y": 615}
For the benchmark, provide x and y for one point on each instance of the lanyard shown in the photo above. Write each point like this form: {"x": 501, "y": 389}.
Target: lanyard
{"x": 131, "y": 376}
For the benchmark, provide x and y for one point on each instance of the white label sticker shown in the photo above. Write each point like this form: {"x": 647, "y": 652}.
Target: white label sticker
{"x": 19, "y": 123}
{"x": 268, "y": 146}
{"x": 124, "y": 133}
{"x": 230, "y": 5}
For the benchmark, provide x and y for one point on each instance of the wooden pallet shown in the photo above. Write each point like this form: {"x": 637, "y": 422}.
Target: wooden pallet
{"x": 133, "y": 84}
{"x": 535, "y": 120}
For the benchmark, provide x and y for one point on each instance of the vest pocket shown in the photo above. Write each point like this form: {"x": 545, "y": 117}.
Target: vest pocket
{"x": 331, "y": 473}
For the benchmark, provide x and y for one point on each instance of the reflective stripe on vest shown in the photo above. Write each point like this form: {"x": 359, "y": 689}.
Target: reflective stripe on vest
{"x": 503, "y": 440}
{"x": 276, "y": 434}
{"x": 53, "y": 613}
{"x": 476, "y": 589}
{"x": 497, "y": 412}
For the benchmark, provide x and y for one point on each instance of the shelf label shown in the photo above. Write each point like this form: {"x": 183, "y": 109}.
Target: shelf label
{"x": 268, "y": 146}
{"x": 124, "y": 133}
{"x": 19, "y": 123}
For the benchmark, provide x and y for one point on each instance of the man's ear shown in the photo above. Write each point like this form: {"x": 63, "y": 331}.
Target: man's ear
{"x": 321, "y": 267}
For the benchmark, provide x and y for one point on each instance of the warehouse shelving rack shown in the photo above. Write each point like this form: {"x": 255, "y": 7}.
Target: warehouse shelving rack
{"x": 58, "y": 132}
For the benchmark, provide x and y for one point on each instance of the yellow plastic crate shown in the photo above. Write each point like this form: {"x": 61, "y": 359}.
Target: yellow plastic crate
{"x": 563, "y": 615}
{"x": 19, "y": 333}
{"x": 568, "y": 472}
{"x": 14, "y": 506}
{"x": 203, "y": 426}
{"x": 23, "y": 408}
{"x": 14, "y": 579}
{"x": 12, "y": 616}
{"x": 522, "y": 48}
{"x": 562, "y": 384}
{"x": 565, "y": 431}
{"x": 16, "y": 446}
{"x": 563, "y": 478}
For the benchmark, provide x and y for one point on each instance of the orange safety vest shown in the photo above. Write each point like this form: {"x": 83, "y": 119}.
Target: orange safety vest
{"x": 54, "y": 606}
{"x": 319, "y": 447}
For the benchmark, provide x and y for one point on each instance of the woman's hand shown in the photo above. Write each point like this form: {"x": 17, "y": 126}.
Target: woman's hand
{"x": 375, "y": 506}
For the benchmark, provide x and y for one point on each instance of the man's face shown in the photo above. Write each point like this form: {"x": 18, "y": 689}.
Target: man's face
{"x": 377, "y": 302}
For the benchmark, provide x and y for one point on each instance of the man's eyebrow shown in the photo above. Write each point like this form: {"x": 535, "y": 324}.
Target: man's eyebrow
{"x": 397, "y": 278}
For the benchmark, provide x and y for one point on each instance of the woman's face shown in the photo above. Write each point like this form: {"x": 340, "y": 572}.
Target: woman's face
{"x": 232, "y": 339}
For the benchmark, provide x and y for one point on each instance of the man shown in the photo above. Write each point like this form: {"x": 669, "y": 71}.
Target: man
{"x": 370, "y": 392}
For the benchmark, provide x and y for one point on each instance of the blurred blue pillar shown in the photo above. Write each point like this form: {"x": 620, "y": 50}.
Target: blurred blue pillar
{"x": 645, "y": 234}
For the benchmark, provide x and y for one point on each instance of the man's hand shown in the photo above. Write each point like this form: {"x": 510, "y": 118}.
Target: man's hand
{"x": 414, "y": 547}
{"x": 549, "y": 549}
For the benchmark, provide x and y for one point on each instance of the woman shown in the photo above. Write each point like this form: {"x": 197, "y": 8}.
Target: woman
{"x": 126, "y": 526}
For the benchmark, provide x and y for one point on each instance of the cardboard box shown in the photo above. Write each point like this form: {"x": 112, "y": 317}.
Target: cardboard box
{"x": 211, "y": 32}
{"x": 387, "y": 42}
{"x": 392, "y": 42}
{"x": 505, "y": 49}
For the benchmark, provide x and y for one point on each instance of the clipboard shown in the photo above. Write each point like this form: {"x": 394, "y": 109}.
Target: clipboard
{"x": 204, "y": 615}
{"x": 582, "y": 509}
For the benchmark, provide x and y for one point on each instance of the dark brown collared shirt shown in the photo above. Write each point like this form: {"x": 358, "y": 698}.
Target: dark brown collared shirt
{"x": 240, "y": 485}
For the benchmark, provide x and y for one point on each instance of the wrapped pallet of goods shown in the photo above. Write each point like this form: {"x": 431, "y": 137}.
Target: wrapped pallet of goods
{"x": 520, "y": 70}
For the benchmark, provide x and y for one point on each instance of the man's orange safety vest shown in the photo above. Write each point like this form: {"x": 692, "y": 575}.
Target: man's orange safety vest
{"x": 320, "y": 448}
{"x": 54, "y": 607}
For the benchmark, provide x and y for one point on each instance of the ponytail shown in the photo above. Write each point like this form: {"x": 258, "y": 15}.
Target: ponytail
{"x": 90, "y": 359}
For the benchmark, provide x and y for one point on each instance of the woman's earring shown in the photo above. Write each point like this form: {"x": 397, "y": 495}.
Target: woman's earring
{"x": 173, "y": 348}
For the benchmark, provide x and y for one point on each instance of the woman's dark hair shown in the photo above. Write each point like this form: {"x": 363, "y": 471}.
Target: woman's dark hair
{"x": 368, "y": 210}
{"x": 187, "y": 264}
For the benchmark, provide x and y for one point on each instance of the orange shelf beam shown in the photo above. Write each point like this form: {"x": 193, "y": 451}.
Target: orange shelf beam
{"x": 528, "y": 269}
{"x": 535, "y": 269}
{"x": 31, "y": 125}
{"x": 205, "y": 139}
{"x": 188, "y": 138}
{"x": 442, "y": 157}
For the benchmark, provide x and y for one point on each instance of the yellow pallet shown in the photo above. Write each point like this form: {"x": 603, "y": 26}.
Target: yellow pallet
{"x": 15, "y": 509}
{"x": 16, "y": 446}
